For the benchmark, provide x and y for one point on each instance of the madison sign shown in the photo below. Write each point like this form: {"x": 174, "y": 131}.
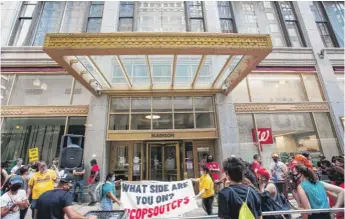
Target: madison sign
{"x": 162, "y": 135}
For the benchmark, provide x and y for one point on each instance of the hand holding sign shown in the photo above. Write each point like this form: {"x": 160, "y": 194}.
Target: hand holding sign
{"x": 149, "y": 199}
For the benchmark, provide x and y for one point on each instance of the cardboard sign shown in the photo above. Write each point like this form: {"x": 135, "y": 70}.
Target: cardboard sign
{"x": 33, "y": 155}
{"x": 152, "y": 199}
{"x": 264, "y": 136}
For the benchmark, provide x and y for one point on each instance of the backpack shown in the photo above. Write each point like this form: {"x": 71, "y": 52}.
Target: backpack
{"x": 99, "y": 191}
{"x": 245, "y": 212}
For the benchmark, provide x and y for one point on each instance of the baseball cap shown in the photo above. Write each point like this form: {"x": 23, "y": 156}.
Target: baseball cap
{"x": 67, "y": 178}
{"x": 275, "y": 155}
{"x": 16, "y": 180}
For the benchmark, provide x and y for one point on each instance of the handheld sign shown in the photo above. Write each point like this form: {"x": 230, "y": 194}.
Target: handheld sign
{"x": 152, "y": 199}
{"x": 33, "y": 155}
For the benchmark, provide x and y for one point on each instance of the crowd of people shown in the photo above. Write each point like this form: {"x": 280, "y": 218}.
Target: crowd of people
{"x": 50, "y": 192}
{"x": 313, "y": 187}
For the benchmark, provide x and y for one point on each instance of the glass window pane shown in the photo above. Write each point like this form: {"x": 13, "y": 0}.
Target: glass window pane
{"x": 126, "y": 24}
{"x": 335, "y": 12}
{"x": 76, "y": 125}
{"x": 141, "y": 104}
{"x": 94, "y": 25}
{"x": 27, "y": 10}
{"x": 183, "y": 104}
{"x": 81, "y": 95}
{"x": 240, "y": 93}
{"x": 329, "y": 142}
{"x": 96, "y": 11}
{"x": 195, "y": 11}
{"x": 22, "y": 32}
{"x": 126, "y": 10}
{"x": 197, "y": 25}
{"x": 276, "y": 88}
{"x": 204, "y": 120}
{"x": 6, "y": 84}
{"x": 18, "y": 135}
{"x": 141, "y": 121}
{"x": 248, "y": 148}
{"x": 119, "y": 105}
{"x": 119, "y": 122}
{"x": 312, "y": 87}
{"x": 226, "y": 26}
{"x": 162, "y": 104}
{"x": 161, "y": 73}
{"x": 39, "y": 90}
{"x": 224, "y": 12}
{"x": 184, "y": 120}
{"x": 162, "y": 121}
{"x": 292, "y": 132}
{"x": 75, "y": 17}
{"x": 50, "y": 20}
{"x": 203, "y": 103}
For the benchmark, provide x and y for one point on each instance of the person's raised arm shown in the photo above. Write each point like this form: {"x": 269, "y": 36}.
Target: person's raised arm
{"x": 335, "y": 189}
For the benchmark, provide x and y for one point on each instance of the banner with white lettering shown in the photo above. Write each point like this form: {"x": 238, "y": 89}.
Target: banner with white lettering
{"x": 153, "y": 199}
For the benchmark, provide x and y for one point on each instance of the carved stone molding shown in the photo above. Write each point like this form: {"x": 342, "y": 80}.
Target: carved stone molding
{"x": 34, "y": 111}
{"x": 335, "y": 56}
{"x": 281, "y": 107}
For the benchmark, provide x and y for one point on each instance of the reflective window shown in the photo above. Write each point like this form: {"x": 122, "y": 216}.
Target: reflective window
{"x": 6, "y": 84}
{"x": 335, "y": 12}
{"x": 226, "y": 17}
{"x": 167, "y": 113}
{"x": 248, "y": 147}
{"x": 240, "y": 93}
{"x": 195, "y": 16}
{"x": 276, "y": 88}
{"x": 18, "y": 135}
{"x": 38, "y": 90}
{"x": 312, "y": 87}
{"x": 76, "y": 125}
{"x": 94, "y": 21}
{"x": 75, "y": 17}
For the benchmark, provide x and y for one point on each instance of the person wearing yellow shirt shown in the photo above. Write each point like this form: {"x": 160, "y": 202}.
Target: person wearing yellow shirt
{"x": 206, "y": 188}
{"x": 40, "y": 182}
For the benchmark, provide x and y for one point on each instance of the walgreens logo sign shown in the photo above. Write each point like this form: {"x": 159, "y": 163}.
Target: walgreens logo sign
{"x": 263, "y": 136}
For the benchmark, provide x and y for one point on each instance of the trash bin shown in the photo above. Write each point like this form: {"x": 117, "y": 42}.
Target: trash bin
{"x": 118, "y": 214}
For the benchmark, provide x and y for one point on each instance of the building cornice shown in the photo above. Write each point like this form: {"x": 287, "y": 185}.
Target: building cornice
{"x": 39, "y": 111}
{"x": 335, "y": 56}
{"x": 281, "y": 107}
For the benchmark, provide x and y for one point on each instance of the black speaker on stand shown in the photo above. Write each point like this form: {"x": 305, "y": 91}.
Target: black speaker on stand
{"x": 71, "y": 151}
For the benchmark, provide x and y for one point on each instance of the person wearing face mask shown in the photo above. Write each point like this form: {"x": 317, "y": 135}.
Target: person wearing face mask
{"x": 278, "y": 172}
{"x": 109, "y": 193}
{"x": 13, "y": 200}
{"x": 39, "y": 183}
{"x": 56, "y": 203}
{"x": 206, "y": 189}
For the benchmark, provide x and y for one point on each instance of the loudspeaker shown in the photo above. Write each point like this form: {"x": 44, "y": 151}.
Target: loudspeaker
{"x": 71, "y": 155}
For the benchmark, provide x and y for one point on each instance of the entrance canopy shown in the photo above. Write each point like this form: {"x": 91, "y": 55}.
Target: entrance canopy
{"x": 121, "y": 63}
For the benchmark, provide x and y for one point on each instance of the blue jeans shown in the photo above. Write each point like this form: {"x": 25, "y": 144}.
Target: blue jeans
{"x": 33, "y": 207}
{"x": 106, "y": 204}
{"x": 79, "y": 184}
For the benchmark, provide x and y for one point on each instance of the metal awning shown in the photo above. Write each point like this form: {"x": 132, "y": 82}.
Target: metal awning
{"x": 136, "y": 62}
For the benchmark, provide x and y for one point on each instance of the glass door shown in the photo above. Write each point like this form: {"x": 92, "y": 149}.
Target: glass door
{"x": 163, "y": 161}
{"x": 120, "y": 160}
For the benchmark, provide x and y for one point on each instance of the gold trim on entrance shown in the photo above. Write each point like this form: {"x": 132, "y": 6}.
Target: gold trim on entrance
{"x": 38, "y": 111}
{"x": 161, "y": 135}
{"x": 281, "y": 107}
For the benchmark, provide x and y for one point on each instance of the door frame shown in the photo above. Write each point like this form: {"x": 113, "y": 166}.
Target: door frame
{"x": 163, "y": 143}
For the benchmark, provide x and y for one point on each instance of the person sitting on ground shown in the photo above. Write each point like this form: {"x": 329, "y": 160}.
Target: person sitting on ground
{"x": 109, "y": 193}
{"x": 58, "y": 202}
{"x": 230, "y": 199}
{"x": 14, "y": 200}
{"x": 312, "y": 193}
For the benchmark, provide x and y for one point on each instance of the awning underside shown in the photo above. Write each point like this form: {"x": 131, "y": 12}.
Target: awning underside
{"x": 120, "y": 62}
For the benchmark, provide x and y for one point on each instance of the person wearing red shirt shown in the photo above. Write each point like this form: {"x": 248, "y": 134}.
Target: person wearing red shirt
{"x": 256, "y": 165}
{"x": 336, "y": 175}
{"x": 93, "y": 181}
{"x": 213, "y": 167}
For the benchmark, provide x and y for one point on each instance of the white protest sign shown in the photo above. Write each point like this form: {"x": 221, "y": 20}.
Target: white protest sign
{"x": 152, "y": 199}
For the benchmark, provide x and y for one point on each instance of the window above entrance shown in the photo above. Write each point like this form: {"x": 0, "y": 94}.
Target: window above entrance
{"x": 134, "y": 62}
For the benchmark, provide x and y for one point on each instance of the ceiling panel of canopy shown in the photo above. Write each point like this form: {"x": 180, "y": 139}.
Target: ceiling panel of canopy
{"x": 131, "y": 62}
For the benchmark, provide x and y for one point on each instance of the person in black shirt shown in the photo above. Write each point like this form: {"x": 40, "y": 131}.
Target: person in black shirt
{"x": 54, "y": 204}
{"x": 78, "y": 174}
{"x": 230, "y": 199}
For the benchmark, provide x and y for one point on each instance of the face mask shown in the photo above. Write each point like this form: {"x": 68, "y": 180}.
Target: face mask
{"x": 201, "y": 173}
{"x": 15, "y": 187}
{"x": 296, "y": 177}
{"x": 113, "y": 178}
{"x": 275, "y": 160}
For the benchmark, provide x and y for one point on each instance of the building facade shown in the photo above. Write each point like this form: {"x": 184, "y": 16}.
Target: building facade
{"x": 152, "y": 114}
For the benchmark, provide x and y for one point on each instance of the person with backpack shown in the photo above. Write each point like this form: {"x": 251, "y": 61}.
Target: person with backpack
{"x": 313, "y": 193}
{"x": 206, "y": 189}
{"x": 93, "y": 181}
{"x": 238, "y": 200}
{"x": 106, "y": 193}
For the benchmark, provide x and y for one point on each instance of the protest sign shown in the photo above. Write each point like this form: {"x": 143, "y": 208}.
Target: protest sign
{"x": 33, "y": 155}
{"x": 152, "y": 199}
